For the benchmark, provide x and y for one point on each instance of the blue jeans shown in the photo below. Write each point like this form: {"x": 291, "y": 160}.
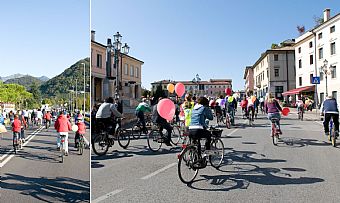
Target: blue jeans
{"x": 275, "y": 115}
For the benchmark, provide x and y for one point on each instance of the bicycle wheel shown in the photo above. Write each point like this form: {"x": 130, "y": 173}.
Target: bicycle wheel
{"x": 249, "y": 119}
{"x": 100, "y": 144}
{"x": 274, "y": 135}
{"x": 186, "y": 172}
{"x": 175, "y": 135}
{"x": 81, "y": 146}
{"x": 217, "y": 155}
{"x": 227, "y": 122}
{"x": 123, "y": 138}
{"x": 62, "y": 153}
{"x": 222, "y": 119}
{"x": 301, "y": 117}
{"x": 136, "y": 131}
{"x": 154, "y": 140}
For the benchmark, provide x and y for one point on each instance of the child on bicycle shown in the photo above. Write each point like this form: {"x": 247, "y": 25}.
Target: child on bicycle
{"x": 273, "y": 109}
{"x": 81, "y": 130}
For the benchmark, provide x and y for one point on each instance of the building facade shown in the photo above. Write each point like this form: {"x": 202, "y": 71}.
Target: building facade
{"x": 275, "y": 72}
{"x": 104, "y": 74}
{"x": 249, "y": 79}
{"x": 211, "y": 88}
{"x": 312, "y": 49}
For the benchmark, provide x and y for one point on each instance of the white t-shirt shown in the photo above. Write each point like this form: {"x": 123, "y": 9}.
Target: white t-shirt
{"x": 106, "y": 109}
{"x": 250, "y": 102}
{"x": 39, "y": 114}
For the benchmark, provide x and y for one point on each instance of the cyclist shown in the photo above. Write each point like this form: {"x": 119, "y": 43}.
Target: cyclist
{"x": 187, "y": 107}
{"x": 231, "y": 106}
{"x": 198, "y": 126}
{"x": 330, "y": 109}
{"x": 81, "y": 130}
{"x": 140, "y": 110}
{"x": 40, "y": 117}
{"x": 244, "y": 104}
{"x": 47, "y": 118}
{"x": 105, "y": 112}
{"x": 218, "y": 110}
{"x": 300, "y": 105}
{"x": 221, "y": 103}
{"x": 156, "y": 118}
{"x": 261, "y": 100}
{"x": 23, "y": 126}
{"x": 16, "y": 127}
{"x": 250, "y": 107}
{"x": 273, "y": 109}
{"x": 63, "y": 126}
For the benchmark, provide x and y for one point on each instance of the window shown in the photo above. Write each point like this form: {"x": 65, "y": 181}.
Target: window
{"x": 333, "y": 48}
{"x": 300, "y": 81}
{"x": 321, "y": 75}
{"x": 311, "y": 78}
{"x": 126, "y": 69}
{"x": 299, "y": 50}
{"x": 267, "y": 73}
{"x": 136, "y": 72}
{"x": 276, "y": 57}
{"x": 320, "y": 53}
{"x": 278, "y": 92}
{"x": 131, "y": 71}
{"x": 276, "y": 72}
{"x": 332, "y": 29}
{"x": 300, "y": 63}
{"x": 311, "y": 59}
{"x": 320, "y": 35}
{"x": 99, "y": 60}
{"x": 335, "y": 95}
{"x": 322, "y": 97}
{"x": 310, "y": 44}
{"x": 333, "y": 72}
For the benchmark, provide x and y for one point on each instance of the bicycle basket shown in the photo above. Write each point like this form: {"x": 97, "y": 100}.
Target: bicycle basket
{"x": 216, "y": 132}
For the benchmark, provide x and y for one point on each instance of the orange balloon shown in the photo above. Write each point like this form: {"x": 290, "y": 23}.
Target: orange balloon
{"x": 171, "y": 88}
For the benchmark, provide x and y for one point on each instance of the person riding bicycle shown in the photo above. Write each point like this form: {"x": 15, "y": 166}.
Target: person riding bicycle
{"x": 187, "y": 107}
{"x": 198, "y": 127}
{"x": 330, "y": 110}
{"x": 105, "y": 112}
{"x": 81, "y": 130}
{"x": 273, "y": 109}
{"x": 16, "y": 127}
{"x": 244, "y": 104}
{"x": 300, "y": 105}
{"x": 218, "y": 110}
{"x": 256, "y": 105}
{"x": 48, "y": 118}
{"x": 23, "y": 126}
{"x": 221, "y": 102}
{"x": 261, "y": 100}
{"x": 140, "y": 110}
{"x": 156, "y": 118}
{"x": 63, "y": 126}
{"x": 250, "y": 107}
{"x": 231, "y": 107}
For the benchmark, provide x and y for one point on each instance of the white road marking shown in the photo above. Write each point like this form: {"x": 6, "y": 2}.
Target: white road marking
{"x": 232, "y": 132}
{"x": 106, "y": 196}
{"x": 32, "y": 135}
{"x": 159, "y": 171}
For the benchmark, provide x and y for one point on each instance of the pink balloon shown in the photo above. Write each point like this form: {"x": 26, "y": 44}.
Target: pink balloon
{"x": 180, "y": 89}
{"x": 166, "y": 109}
{"x": 227, "y": 91}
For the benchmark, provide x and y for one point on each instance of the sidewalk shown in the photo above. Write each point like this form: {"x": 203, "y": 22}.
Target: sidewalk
{"x": 313, "y": 115}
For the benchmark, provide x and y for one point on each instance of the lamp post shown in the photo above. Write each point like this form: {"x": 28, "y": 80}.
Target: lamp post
{"x": 327, "y": 71}
{"x": 196, "y": 80}
{"x": 117, "y": 47}
{"x": 84, "y": 87}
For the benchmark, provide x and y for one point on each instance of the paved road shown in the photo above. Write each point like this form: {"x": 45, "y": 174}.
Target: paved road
{"x": 35, "y": 174}
{"x": 302, "y": 168}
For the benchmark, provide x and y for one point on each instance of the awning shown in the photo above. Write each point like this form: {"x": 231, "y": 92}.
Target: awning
{"x": 299, "y": 90}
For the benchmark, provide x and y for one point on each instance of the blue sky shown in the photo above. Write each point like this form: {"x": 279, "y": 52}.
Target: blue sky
{"x": 216, "y": 39}
{"x": 40, "y": 37}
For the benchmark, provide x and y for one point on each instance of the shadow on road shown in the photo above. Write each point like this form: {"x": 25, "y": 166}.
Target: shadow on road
{"x": 60, "y": 189}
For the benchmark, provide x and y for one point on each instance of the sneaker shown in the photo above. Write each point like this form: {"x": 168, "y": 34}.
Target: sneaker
{"x": 66, "y": 153}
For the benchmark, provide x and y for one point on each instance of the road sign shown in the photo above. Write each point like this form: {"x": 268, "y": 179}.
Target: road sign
{"x": 316, "y": 80}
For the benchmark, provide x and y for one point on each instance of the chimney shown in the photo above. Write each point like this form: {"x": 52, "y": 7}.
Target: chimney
{"x": 326, "y": 14}
{"x": 93, "y": 35}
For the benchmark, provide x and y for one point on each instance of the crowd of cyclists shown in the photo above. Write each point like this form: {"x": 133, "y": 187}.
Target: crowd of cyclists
{"x": 21, "y": 120}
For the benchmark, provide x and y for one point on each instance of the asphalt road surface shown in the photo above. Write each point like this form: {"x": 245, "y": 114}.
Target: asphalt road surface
{"x": 304, "y": 167}
{"x": 35, "y": 173}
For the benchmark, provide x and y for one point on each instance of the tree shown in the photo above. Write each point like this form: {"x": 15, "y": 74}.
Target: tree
{"x": 318, "y": 20}
{"x": 274, "y": 46}
{"x": 35, "y": 93}
{"x": 159, "y": 92}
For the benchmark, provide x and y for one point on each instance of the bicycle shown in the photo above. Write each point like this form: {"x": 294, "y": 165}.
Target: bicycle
{"x": 220, "y": 118}
{"x": 102, "y": 140}
{"x": 332, "y": 137}
{"x": 156, "y": 137}
{"x": 228, "y": 120}
{"x": 81, "y": 144}
{"x": 47, "y": 124}
{"x": 300, "y": 113}
{"x": 62, "y": 147}
{"x": 137, "y": 130}
{"x": 191, "y": 159}
{"x": 275, "y": 130}
{"x": 250, "y": 117}
{"x": 17, "y": 143}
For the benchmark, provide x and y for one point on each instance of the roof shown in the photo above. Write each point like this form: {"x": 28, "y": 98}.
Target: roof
{"x": 270, "y": 51}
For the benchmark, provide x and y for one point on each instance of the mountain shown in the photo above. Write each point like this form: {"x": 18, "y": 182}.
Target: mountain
{"x": 12, "y": 77}
{"x": 43, "y": 78}
{"x": 62, "y": 83}
{"x": 25, "y": 81}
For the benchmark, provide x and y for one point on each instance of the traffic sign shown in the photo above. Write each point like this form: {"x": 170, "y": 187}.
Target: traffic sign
{"x": 316, "y": 80}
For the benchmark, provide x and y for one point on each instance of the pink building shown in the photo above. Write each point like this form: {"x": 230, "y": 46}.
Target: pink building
{"x": 249, "y": 79}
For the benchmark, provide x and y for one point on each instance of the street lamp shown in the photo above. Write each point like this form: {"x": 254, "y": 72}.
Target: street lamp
{"x": 117, "y": 47}
{"x": 84, "y": 88}
{"x": 196, "y": 80}
{"x": 327, "y": 71}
